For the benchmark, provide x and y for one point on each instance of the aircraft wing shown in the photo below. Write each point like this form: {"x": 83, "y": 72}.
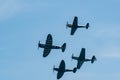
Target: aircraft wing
{"x": 75, "y": 21}
{"x": 59, "y": 74}
{"x": 48, "y": 45}
{"x": 79, "y": 64}
{"x": 73, "y": 30}
{"x": 81, "y": 58}
{"x": 46, "y": 52}
{"x": 82, "y": 54}
{"x": 62, "y": 65}
{"x": 61, "y": 69}
{"x": 49, "y": 40}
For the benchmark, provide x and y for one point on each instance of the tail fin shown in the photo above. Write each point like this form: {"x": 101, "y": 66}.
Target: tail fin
{"x": 93, "y": 59}
{"x": 63, "y": 47}
{"x": 87, "y": 25}
{"x": 74, "y": 70}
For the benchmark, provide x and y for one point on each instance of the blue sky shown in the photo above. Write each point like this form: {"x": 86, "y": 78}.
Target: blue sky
{"x": 24, "y": 22}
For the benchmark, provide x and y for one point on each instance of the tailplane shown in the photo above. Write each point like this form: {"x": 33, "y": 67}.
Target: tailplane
{"x": 87, "y": 25}
{"x": 74, "y": 70}
{"x": 63, "y": 47}
{"x": 93, "y": 59}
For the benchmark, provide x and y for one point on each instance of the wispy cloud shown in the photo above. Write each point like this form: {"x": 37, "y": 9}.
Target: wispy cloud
{"x": 9, "y": 8}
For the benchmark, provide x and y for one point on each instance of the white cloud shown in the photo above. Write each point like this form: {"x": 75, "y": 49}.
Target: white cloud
{"x": 9, "y": 8}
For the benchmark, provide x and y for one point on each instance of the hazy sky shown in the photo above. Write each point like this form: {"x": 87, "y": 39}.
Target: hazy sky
{"x": 24, "y": 22}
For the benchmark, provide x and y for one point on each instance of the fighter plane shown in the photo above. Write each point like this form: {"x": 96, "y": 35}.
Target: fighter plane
{"x": 48, "y": 46}
{"x": 81, "y": 59}
{"x": 61, "y": 70}
{"x": 75, "y": 25}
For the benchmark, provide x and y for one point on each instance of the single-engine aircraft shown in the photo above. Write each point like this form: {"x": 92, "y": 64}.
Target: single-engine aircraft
{"x": 61, "y": 70}
{"x": 75, "y": 25}
{"x": 48, "y": 46}
{"x": 81, "y": 59}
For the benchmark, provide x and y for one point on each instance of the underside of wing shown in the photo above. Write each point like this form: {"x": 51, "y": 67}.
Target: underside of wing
{"x": 49, "y": 40}
{"x": 74, "y": 25}
{"x": 59, "y": 74}
{"x": 82, "y": 54}
{"x": 73, "y": 30}
{"x": 62, "y": 65}
{"x": 46, "y": 52}
{"x": 79, "y": 64}
{"x": 61, "y": 69}
{"x": 75, "y": 21}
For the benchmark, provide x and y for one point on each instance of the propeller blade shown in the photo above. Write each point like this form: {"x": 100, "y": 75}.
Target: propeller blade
{"x": 38, "y": 44}
{"x": 53, "y": 68}
{"x": 67, "y": 25}
{"x": 72, "y": 57}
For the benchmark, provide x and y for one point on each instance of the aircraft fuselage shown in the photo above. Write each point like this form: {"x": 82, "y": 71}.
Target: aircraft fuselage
{"x": 72, "y": 26}
{"x": 49, "y": 46}
{"x": 83, "y": 60}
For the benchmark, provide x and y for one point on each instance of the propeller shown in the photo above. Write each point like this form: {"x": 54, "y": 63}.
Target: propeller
{"x": 53, "y": 68}
{"x": 72, "y": 57}
{"x": 38, "y": 44}
{"x": 87, "y": 25}
{"x": 67, "y": 25}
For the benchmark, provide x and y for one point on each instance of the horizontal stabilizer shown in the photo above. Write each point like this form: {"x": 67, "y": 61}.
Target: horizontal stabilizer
{"x": 93, "y": 59}
{"x": 74, "y": 70}
{"x": 63, "y": 47}
{"x": 87, "y": 25}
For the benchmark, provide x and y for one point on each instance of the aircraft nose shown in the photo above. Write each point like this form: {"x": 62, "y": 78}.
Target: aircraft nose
{"x": 49, "y": 36}
{"x": 75, "y": 16}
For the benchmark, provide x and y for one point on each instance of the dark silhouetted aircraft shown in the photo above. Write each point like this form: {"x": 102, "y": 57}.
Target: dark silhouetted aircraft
{"x": 81, "y": 59}
{"x": 48, "y": 46}
{"x": 61, "y": 70}
{"x": 75, "y": 25}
